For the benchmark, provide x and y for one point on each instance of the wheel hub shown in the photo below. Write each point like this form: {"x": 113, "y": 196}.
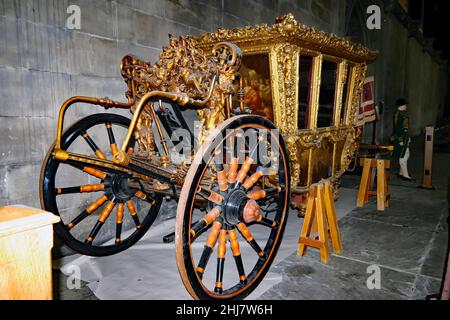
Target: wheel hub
{"x": 119, "y": 187}
{"x": 233, "y": 207}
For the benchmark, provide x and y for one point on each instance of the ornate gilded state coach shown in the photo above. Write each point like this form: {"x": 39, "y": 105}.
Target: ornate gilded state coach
{"x": 106, "y": 175}
{"x": 315, "y": 85}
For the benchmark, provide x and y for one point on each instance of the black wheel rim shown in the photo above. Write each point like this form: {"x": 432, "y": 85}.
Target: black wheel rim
{"x": 113, "y": 189}
{"x": 196, "y": 286}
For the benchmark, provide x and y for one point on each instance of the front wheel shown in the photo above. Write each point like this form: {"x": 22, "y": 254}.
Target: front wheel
{"x": 241, "y": 176}
{"x": 96, "y": 205}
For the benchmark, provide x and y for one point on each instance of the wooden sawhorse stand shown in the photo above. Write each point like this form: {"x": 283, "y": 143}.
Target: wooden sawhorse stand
{"x": 382, "y": 177}
{"x": 320, "y": 209}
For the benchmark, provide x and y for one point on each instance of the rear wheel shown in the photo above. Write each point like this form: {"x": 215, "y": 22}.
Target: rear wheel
{"x": 87, "y": 199}
{"x": 242, "y": 174}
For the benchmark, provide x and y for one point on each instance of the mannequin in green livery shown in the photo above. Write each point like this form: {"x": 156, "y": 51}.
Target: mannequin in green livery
{"x": 400, "y": 138}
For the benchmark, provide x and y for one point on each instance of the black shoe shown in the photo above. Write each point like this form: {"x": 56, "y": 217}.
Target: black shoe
{"x": 409, "y": 179}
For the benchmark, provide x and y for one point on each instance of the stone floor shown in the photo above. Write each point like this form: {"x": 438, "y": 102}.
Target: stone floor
{"x": 408, "y": 242}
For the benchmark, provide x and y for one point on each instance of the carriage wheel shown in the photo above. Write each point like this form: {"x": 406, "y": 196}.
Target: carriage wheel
{"x": 247, "y": 195}
{"x": 95, "y": 205}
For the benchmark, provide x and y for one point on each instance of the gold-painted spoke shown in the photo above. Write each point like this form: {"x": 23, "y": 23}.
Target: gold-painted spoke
{"x": 141, "y": 195}
{"x": 232, "y": 170}
{"x": 210, "y": 195}
{"x": 132, "y": 209}
{"x": 263, "y": 193}
{"x": 208, "y": 249}
{"x": 221, "y": 251}
{"x": 203, "y": 223}
{"x": 250, "y": 239}
{"x": 112, "y": 140}
{"x": 234, "y": 244}
{"x": 81, "y": 189}
{"x": 242, "y": 174}
{"x": 222, "y": 180}
{"x": 119, "y": 221}
{"x": 98, "y": 152}
{"x": 89, "y": 210}
{"x": 250, "y": 181}
{"x": 95, "y": 172}
{"x": 101, "y": 220}
{"x": 268, "y": 223}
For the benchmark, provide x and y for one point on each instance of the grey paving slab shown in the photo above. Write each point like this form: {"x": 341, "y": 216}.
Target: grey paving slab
{"x": 424, "y": 287}
{"x": 384, "y": 244}
{"x": 306, "y": 278}
{"x": 434, "y": 262}
{"x": 63, "y": 289}
{"x": 421, "y": 215}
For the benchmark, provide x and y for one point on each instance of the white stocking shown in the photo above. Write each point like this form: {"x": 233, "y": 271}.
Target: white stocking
{"x": 404, "y": 164}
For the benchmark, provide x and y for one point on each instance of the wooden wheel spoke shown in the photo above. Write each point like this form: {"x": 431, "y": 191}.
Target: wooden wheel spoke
{"x": 112, "y": 140}
{"x": 251, "y": 241}
{"x": 119, "y": 221}
{"x": 205, "y": 222}
{"x": 101, "y": 220}
{"x": 81, "y": 189}
{"x": 268, "y": 223}
{"x": 242, "y": 174}
{"x": 209, "y": 247}
{"x": 89, "y": 210}
{"x": 250, "y": 181}
{"x": 93, "y": 146}
{"x": 130, "y": 149}
{"x": 95, "y": 172}
{"x": 232, "y": 170}
{"x": 221, "y": 251}
{"x": 221, "y": 174}
{"x": 132, "y": 209}
{"x": 210, "y": 195}
{"x": 144, "y": 196}
{"x": 234, "y": 243}
{"x": 263, "y": 193}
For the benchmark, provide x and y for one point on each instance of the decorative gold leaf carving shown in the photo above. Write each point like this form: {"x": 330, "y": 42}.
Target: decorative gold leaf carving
{"x": 183, "y": 68}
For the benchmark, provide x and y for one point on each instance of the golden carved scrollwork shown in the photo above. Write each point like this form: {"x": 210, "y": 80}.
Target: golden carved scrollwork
{"x": 287, "y": 29}
{"x": 287, "y": 59}
{"x": 286, "y": 42}
{"x": 348, "y": 151}
{"x": 182, "y": 68}
{"x": 359, "y": 72}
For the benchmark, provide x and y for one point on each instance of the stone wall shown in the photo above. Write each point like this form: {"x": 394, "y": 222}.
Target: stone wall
{"x": 42, "y": 63}
{"x": 406, "y": 67}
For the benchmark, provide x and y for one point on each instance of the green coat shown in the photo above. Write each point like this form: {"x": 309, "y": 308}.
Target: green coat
{"x": 400, "y": 134}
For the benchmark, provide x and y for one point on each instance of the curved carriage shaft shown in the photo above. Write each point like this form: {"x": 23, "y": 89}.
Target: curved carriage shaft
{"x": 136, "y": 168}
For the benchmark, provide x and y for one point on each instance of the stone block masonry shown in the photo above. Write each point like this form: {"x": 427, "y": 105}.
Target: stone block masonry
{"x": 42, "y": 63}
